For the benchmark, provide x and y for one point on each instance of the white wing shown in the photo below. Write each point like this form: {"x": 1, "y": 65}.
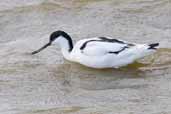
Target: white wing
{"x": 101, "y": 47}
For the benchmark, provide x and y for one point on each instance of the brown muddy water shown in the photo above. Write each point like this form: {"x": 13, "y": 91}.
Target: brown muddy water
{"x": 47, "y": 84}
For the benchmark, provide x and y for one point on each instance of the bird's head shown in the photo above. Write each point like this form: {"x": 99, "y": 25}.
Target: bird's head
{"x": 60, "y": 38}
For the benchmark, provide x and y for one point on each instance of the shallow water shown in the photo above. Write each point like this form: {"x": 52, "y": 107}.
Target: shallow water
{"x": 39, "y": 84}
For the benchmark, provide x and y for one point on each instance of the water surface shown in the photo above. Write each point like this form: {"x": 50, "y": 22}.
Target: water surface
{"x": 46, "y": 83}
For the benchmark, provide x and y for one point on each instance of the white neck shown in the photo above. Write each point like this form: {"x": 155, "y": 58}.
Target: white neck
{"x": 66, "y": 54}
{"x": 64, "y": 45}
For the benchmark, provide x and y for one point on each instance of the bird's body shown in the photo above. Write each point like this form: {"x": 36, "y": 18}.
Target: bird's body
{"x": 99, "y": 52}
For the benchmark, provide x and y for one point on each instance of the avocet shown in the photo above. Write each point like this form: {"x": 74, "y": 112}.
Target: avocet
{"x": 99, "y": 52}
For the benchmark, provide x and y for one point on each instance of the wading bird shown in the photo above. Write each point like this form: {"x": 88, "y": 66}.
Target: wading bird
{"x": 99, "y": 52}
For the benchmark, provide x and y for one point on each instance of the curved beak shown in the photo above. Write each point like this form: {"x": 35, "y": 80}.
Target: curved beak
{"x": 37, "y": 51}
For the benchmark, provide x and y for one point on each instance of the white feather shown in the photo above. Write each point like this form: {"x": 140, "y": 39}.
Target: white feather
{"x": 99, "y": 52}
{"x": 96, "y": 55}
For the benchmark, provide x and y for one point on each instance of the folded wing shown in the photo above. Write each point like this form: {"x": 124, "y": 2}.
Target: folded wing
{"x": 103, "y": 46}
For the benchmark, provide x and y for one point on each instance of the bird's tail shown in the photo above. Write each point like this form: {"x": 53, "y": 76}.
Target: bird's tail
{"x": 153, "y": 46}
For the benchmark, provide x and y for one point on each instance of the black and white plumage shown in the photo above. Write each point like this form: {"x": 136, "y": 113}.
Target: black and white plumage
{"x": 99, "y": 52}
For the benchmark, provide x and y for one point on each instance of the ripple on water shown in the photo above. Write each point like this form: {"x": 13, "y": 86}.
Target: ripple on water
{"x": 46, "y": 83}
{"x": 103, "y": 79}
{"x": 62, "y": 110}
{"x": 158, "y": 61}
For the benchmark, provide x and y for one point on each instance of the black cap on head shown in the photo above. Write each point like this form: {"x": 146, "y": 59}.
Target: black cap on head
{"x": 55, "y": 35}
{"x": 58, "y": 33}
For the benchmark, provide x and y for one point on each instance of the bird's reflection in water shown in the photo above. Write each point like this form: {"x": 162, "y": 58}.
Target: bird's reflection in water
{"x": 76, "y": 76}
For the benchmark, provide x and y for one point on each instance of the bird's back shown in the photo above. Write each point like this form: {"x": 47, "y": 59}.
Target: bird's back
{"x": 104, "y": 53}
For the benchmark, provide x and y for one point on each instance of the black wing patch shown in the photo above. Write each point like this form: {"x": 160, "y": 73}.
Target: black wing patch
{"x": 102, "y": 39}
{"x": 84, "y": 45}
{"x": 117, "y": 52}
